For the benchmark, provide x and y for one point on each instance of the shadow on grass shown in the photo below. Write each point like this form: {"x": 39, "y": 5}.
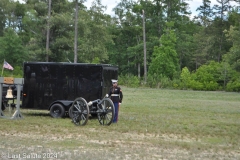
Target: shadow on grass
{"x": 43, "y": 114}
{"x": 40, "y": 114}
{"x": 93, "y": 116}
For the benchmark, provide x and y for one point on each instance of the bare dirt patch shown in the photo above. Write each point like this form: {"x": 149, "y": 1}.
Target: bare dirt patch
{"x": 123, "y": 146}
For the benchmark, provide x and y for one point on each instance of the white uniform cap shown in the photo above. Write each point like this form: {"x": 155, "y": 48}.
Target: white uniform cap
{"x": 114, "y": 81}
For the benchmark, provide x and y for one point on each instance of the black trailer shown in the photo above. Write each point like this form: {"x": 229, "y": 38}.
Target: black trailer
{"x": 54, "y": 86}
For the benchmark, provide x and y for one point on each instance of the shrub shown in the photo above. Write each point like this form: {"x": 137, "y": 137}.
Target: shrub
{"x": 196, "y": 85}
{"x": 205, "y": 86}
{"x": 153, "y": 80}
{"x": 185, "y": 78}
{"x": 206, "y": 78}
{"x": 159, "y": 81}
{"x": 233, "y": 86}
{"x": 176, "y": 83}
{"x": 133, "y": 81}
{"x": 129, "y": 80}
{"x": 210, "y": 86}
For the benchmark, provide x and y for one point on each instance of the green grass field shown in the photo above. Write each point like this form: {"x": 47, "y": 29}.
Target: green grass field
{"x": 153, "y": 124}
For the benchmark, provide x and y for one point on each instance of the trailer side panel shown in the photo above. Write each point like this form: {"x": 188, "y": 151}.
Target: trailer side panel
{"x": 46, "y": 82}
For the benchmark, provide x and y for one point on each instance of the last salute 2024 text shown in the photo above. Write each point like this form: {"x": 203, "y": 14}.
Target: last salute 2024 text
{"x": 32, "y": 156}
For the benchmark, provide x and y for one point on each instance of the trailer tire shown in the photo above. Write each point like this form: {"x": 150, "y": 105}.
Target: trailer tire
{"x": 57, "y": 110}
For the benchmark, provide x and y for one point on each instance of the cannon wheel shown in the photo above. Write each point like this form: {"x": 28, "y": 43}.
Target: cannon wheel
{"x": 79, "y": 112}
{"x": 105, "y": 112}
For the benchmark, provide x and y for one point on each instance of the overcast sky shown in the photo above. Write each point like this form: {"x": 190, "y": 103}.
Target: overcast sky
{"x": 113, "y": 3}
{"x": 193, "y": 4}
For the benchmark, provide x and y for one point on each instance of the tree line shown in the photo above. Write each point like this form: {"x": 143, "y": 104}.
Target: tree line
{"x": 183, "y": 51}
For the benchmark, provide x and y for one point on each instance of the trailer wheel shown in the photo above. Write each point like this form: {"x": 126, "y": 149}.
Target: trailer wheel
{"x": 105, "y": 112}
{"x": 57, "y": 111}
{"x": 79, "y": 112}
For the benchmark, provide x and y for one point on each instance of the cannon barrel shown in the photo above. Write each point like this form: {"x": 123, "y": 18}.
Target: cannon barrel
{"x": 92, "y": 102}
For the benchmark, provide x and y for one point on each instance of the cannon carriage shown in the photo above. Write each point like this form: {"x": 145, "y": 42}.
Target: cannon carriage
{"x": 80, "y": 110}
{"x": 54, "y": 86}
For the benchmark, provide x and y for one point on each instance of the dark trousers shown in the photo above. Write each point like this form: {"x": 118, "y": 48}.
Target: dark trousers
{"x": 116, "y": 106}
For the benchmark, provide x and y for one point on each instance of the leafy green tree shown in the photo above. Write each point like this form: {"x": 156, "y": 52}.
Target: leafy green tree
{"x": 220, "y": 44}
{"x": 233, "y": 56}
{"x": 185, "y": 46}
{"x": 175, "y": 8}
{"x": 205, "y": 13}
{"x": 98, "y": 37}
{"x": 3, "y": 15}
{"x": 19, "y": 13}
{"x": 227, "y": 74}
{"x": 11, "y": 48}
{"x": 34, "y": 35}
{"x": 220, "y": 9}
{"x": 203, "y": 43}
{"x": 155, "y": 12}
{"x": 165, "y": 61}
{"x": 127, "y": 51}
{"x": 61, "y": 30}
{"x": 219, "y": 24}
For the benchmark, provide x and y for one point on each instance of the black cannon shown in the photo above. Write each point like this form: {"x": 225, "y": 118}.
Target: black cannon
{"x": 80, "y": 110}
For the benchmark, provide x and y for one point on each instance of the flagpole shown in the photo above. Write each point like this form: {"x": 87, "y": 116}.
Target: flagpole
{"x": 2, "y": 68}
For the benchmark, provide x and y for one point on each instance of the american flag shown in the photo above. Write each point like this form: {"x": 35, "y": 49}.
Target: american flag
{"x": 7, "y": 65}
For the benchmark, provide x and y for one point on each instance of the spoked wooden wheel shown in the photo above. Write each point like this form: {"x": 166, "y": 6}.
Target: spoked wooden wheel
{"x": 105, "y": 111}
{"x": 79, "y": 112}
